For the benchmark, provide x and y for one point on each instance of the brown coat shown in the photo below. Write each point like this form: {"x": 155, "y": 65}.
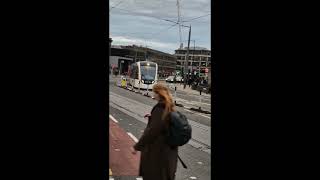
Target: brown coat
{"x": 158, "y": 160}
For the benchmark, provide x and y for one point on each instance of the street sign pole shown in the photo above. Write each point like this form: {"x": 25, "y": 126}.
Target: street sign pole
{"x": 186, "y": 61}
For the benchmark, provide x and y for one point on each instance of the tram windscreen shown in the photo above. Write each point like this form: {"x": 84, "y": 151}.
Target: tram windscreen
{"x": 148, "y": 73}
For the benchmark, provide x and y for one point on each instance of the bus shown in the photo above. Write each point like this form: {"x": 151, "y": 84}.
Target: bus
{"x": 143, "y": 74}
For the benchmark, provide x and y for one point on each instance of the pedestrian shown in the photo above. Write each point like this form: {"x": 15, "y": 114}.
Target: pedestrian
{"x": 189, "y": 82}
{"x": 158, "y": 160}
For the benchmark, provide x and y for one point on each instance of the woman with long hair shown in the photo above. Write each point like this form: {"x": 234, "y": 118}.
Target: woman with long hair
{"x": 158, "y": 160}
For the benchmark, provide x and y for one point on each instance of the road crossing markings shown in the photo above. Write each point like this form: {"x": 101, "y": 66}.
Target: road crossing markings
{"x": 133, "y": 137}
{"x": 112, "y": 118}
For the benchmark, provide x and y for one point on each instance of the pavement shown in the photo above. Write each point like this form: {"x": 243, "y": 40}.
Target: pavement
{"x": 128, "y": 108}
{"x": 196, "y": 156}
{"x": 121, "y": 161}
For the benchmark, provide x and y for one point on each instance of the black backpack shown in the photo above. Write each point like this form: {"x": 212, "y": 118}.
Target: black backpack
{"x": 179, "y": 130}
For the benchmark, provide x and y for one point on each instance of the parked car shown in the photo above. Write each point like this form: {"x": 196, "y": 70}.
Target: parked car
{"x": 171, "y": 79}
{"x": 179, "y": 78}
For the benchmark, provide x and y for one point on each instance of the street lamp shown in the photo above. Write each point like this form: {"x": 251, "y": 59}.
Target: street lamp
{"x": 187, "y": 58}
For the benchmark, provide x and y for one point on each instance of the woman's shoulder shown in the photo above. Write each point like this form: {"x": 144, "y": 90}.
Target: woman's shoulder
{"x": 159, "y": 105}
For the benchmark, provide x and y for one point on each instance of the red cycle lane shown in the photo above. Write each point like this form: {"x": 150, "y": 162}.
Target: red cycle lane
{"x": 121, "y": 161}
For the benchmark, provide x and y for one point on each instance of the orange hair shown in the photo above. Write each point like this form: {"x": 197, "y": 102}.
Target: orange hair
{"x": 165, "y": 97}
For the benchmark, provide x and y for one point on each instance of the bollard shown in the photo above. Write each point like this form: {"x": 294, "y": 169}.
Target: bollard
{"x": 175, "y": 95}
{"x": 200, "y": 101}
{"x": 148, "y": 90}
{"x": 132, "y": 87}
{"x": 139, "y": 85}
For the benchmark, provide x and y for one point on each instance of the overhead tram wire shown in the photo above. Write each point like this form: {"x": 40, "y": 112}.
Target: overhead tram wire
{"x": 197, "y": 17}
{"x": 116, "y": 5}
{"x": 141, "y": 14}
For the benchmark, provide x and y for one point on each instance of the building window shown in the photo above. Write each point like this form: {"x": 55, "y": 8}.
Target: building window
{"x": 195, "y": 64}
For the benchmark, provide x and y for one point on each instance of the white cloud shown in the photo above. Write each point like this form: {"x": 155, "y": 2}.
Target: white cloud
{"x": 138, "y": 25}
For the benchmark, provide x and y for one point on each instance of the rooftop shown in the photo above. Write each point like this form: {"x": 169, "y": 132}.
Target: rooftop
{"x": 194, "y": 48}
{"x": 141, "y": 48}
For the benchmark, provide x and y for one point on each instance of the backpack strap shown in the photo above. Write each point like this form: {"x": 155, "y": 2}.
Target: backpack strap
{"x": 183, "y": 164}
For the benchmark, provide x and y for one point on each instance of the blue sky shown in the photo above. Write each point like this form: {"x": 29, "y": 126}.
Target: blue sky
{"x": 143, "y": 22}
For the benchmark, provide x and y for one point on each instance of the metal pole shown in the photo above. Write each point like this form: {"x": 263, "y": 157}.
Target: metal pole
{"x": 139, "y": 85}
{"x": 199, "y": 63}
{"x": 194, "y": 49}
{"x": 186, "y": 61}
{"x": 175, "y": 95}
{"x": 200, "y": 101}
{"x": 148, "y": 90}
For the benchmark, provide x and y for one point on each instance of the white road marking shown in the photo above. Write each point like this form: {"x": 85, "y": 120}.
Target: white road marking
{"x": 197, "y": 102}
{"x": 139, "y": 178}
{"x": 193, "y": 177}
{"x": 112, "y": 118}
{"x": 133, "y": 137}
{"x": 111, "y": 179}
{"x": 200, "y": 163}
{"x": 197, "y": 114}
{"x": 117, "y": 149}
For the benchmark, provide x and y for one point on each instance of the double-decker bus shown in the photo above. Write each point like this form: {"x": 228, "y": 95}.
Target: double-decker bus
{"x": 143, "y": 74}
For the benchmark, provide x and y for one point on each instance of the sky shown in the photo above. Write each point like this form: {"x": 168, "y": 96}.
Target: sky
{"x": 147, "y": 23}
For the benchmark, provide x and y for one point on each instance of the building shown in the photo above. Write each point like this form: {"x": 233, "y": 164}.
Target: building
{"x": 130, "y": 54}
{"x": 120, "y": 59}
{"x": 199, "y": 62}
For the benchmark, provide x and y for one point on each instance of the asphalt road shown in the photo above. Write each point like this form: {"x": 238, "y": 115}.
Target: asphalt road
{"x": 129, "y": 108}
{"x": 198, "y": 161}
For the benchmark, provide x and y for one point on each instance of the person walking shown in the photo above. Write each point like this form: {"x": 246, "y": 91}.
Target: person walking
{"x": 158, "y": 160}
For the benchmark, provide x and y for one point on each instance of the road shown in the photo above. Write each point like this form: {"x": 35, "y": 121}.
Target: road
{"x": 189, "y": 100}
{"x": 129, "y": 107}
